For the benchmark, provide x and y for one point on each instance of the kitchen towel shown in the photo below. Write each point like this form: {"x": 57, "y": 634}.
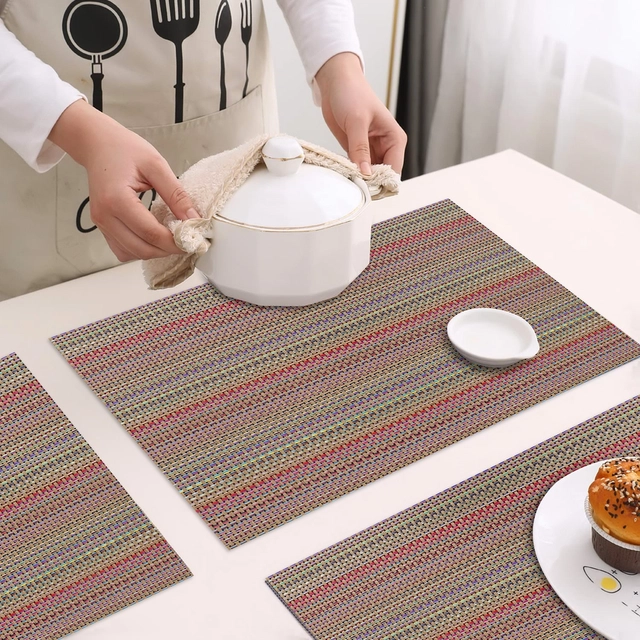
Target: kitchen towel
{"x": 74, "y": 547}
{"x": 213, "y": 180}
{"x": 260, "y": 414}
{"x": 460, "y": 565}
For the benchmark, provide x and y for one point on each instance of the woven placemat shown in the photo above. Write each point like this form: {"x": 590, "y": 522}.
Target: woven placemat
{"x": 74, "y": 547}
{"x": 258, "y": 415}
{"x": 460, "y": 565}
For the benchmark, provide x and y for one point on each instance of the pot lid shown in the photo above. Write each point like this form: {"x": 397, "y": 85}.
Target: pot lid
{"x": 286, "y": 193}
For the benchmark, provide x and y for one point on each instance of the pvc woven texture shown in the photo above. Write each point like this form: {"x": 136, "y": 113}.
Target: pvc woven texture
{"x": 259, "y": 415}
{"x": 460, "y": 565}
{"x": 74, "y": 547}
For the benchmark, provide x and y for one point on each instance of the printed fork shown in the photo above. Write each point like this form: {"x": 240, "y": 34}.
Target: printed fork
{"x": 176, "y": 20}
{"x": 246, "y": 18}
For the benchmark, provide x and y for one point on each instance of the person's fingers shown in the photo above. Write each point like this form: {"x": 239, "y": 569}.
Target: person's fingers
{"x": 334, "y": 127}
{"x": 394, "y": 156}
{"x": 123, "y": 209}
{"x": 133, "y": 244}
{"x": 389, "y": 141}
{"x": 138, "y": 219}
{"x": 357, "y": 130}
{"x": 119, "y": 251}
{"x": 340, "y": 136}
{"x": 170, "y": 190}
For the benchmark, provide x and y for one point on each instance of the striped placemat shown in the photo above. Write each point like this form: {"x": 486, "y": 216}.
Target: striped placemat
{"x": 258, "y": 415}
{"x": 460, "y": 565}
{"x": 74, "y": 547}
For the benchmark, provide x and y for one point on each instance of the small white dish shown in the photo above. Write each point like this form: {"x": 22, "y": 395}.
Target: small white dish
{"x": 606, "y": 599}
{"x": 492, "y": 337}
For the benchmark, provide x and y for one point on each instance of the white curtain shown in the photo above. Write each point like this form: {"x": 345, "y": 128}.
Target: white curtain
{"x": 558, "y": 80}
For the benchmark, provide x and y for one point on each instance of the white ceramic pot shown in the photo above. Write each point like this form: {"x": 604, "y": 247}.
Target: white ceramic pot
{"x": 292, "y": 235}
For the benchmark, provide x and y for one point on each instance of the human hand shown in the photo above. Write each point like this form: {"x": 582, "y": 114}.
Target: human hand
{"x": 120, "y": 164}
{"x": 357, "y": 118}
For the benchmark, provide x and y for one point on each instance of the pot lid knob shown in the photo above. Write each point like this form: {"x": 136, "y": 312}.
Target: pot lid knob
{"x": 283, "y": 155}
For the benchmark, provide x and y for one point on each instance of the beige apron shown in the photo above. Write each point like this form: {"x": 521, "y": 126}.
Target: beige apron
{"x": 193, "y": 77}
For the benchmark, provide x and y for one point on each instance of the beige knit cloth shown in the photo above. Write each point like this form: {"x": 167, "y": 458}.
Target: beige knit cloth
{"x": 212, "y": 181}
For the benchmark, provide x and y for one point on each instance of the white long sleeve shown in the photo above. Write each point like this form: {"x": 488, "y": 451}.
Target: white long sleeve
{"x": 32, "y": 97}
{"x": 321, "y": 29}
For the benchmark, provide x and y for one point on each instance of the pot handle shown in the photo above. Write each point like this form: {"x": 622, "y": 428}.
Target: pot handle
{"x": 363, "y": 187}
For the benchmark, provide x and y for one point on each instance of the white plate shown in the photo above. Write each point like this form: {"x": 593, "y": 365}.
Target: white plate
{"x": 492, "y": 337}
{"x": 608, "y": 600}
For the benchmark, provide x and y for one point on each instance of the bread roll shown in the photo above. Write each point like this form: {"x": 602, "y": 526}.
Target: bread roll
{"x": 614, "y": 496}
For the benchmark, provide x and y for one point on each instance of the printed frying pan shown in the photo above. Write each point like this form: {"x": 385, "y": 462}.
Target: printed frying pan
{"x": 94, "y": 30}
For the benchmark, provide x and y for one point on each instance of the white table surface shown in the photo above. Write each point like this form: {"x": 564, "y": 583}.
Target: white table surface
{"x": 587, "y": 242}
